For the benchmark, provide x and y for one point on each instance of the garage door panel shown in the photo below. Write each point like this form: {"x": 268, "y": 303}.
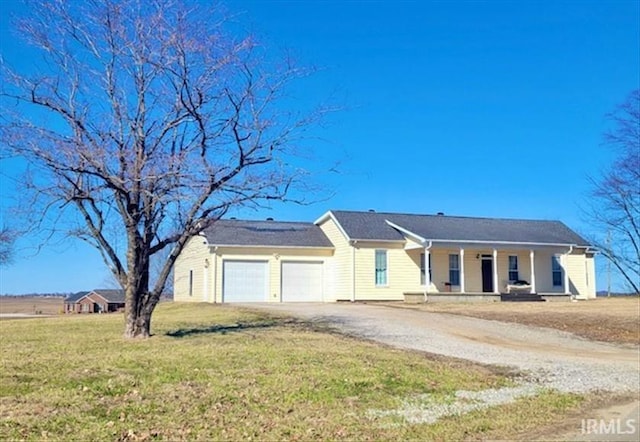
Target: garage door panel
{"x": 244, "y": 281}
{"x": 302, "y": 281}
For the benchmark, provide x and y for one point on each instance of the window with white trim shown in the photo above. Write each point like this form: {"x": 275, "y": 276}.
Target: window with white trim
{"x": 422, "y": 269}
{"x": 556, "y": 271}
{"x": 513, "y": 268}
{"x": 381, "y": 267}
{"x": 454, "y": 269}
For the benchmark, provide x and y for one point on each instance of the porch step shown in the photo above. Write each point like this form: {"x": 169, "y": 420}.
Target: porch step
{"x": 521, "y": 297}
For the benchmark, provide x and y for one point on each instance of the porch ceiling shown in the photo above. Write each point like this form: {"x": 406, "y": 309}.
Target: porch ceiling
{"x": 488, "y": 246}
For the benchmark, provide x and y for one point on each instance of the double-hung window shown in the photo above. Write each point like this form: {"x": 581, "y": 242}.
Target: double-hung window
{"x": 556, "y": 271}
{"x": 381, "y": 267}
{"x": 513, "y": 268}
{"x": 422, "y": 270}
{"x": 454, "y": 269}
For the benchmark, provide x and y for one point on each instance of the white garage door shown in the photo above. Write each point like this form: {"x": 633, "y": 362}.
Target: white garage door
{"x": 301, "y": 282}
{"x": 244, "y": 281}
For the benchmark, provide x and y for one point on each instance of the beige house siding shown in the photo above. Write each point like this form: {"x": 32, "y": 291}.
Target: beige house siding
{"x": 579, "y": 267}
{"x": 524, "y": 267}
{"x": 341, "y": 265}
{"x": 192, "y": 259}
{"x": 440, "y": 270}
{"x": 591, "y": 276}
{"x": 472, "y": 269}
{"x": 403, "y": 272}
{"x": 581, "y": 274}
{"x": 544, "y": 276}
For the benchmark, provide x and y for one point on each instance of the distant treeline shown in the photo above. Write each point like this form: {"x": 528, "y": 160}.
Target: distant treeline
{"x": 61, "y": 295}
{"x": 603, "y": 293}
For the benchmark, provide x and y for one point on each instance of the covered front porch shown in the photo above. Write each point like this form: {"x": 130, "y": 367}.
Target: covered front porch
{"x": 421, "y": 297}
{"x": 485, "y": 272}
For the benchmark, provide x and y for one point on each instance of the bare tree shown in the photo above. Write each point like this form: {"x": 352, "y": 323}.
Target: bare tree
{"x": 7, "y": 238}
{"x": 614, "y": 207}
{"x": 150, "y": 121}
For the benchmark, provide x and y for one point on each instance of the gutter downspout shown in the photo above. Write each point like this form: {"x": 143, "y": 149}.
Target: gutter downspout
{"x": 427, "y": 279}
{"x": 353, "y": 270}
{"x": 566, "y": 273}
{"x": 215, "y": 274}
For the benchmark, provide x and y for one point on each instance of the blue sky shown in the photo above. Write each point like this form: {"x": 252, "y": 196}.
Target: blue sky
{"x": 469, "y": 108}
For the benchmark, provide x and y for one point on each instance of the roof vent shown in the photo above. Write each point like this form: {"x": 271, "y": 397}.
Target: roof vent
{"x": 372, "y": 211}
{"x": 233, "y": 217}
{"x": 440, "y": 213}
{"x": 269, "y": 219}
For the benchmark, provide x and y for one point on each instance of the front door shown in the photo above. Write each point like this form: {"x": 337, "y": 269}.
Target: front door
{"x": 487, "y": 273}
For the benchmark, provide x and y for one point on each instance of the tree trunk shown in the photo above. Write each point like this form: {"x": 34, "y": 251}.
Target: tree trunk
{"x": 137, "y": 323}
{"x": 139, "y": 303}
{"x": 137, "y": 312}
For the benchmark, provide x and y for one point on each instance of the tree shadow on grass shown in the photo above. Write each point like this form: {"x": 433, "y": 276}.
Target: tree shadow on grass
{"x": 224, "y": 329}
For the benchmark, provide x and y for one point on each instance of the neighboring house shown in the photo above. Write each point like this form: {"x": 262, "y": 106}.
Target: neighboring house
{"x": 95, "y": 301}
{"x": 71, "y": 302}
{"x": 370, "y": 256}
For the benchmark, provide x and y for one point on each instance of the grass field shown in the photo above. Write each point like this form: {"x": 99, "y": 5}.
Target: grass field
{"x": 32, "y": 305}
{"x": 614, "y": 319}
{"x": 220, "y": 373}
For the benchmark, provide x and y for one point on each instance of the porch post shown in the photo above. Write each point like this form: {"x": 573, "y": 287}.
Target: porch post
{"x": 532, "y": 257}
{"x": 427, "y": 276}
{"x": 565, "y": 262}
{"x": 215, "y": 275}
{"x": 461, "y": 270}
{"x": 495, "y": 271}
{"x": 205, "y": 281}
{"x": 353, "y": 271}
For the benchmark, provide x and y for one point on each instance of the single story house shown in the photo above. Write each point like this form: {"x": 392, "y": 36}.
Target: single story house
{"x": 371, "y": 256}
{"x": 95, "y": 301}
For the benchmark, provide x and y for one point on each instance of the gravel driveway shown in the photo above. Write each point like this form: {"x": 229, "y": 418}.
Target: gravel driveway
{"x": 551, "y": 358}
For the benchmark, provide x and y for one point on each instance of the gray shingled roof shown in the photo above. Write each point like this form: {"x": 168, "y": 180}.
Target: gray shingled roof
{"x": 111, "y": 296}
{"x": 266, "y": 233}
{"x": 374, "y": 226}
{"x": 75, "y": 297}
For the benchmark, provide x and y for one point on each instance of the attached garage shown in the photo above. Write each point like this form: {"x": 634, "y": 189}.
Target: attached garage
{"x": 255, "y": 261}
{"x": 245, "y": 281}
{"x": 302, "y": 281}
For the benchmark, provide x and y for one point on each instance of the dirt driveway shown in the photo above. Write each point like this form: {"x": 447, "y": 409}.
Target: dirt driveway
{"x": 615, "y": 319}
{"x": 551, "y": 358}
{"x": 547, "y": 358}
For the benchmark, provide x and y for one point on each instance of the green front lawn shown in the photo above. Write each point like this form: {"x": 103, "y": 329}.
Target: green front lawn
{"x": 221, "y": 373}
